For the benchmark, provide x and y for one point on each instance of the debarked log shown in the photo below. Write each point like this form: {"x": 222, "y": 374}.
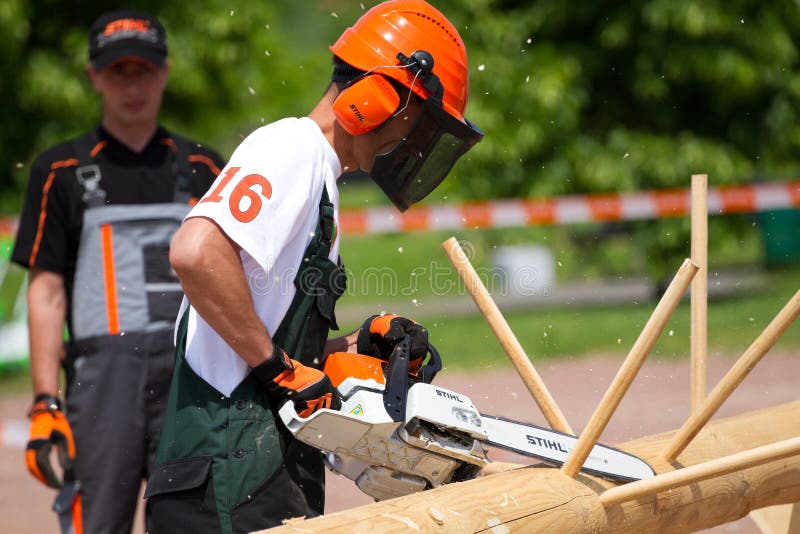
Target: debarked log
{"x": 543, "y": 499}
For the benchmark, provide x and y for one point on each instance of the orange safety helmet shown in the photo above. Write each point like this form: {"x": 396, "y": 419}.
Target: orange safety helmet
{"x": 403, "y": 27}
{"x": 410, "y": 43}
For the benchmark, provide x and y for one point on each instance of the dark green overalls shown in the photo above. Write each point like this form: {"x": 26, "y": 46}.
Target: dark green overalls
{"x": 225, "y": 464}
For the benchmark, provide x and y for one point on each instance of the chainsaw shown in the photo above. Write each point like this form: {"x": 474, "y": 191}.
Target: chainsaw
{"x": 396, "y": 433}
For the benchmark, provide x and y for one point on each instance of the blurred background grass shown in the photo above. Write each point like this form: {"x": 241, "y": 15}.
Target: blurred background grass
{"x": 555, "y": 331}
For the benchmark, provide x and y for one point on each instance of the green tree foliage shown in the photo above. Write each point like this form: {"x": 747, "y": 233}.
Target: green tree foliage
{"x": 624, "y": 95}
{"x": 574, "y": 96}
{"x": 234, "y": 66}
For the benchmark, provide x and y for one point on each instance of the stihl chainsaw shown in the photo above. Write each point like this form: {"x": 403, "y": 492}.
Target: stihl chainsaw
{"x": 396, "y": 433}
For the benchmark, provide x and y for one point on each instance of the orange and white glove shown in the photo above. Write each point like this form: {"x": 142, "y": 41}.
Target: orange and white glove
{"x": 49, "y": 428}
{"x": 289, "y": 380}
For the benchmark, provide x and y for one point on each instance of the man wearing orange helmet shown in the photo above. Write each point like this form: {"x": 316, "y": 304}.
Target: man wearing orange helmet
{"x": 258, "y": 259}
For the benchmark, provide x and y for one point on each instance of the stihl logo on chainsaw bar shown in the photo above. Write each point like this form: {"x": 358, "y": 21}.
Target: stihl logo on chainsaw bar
{"x": 449, "y": 395}
{"x": 553, "y": 445}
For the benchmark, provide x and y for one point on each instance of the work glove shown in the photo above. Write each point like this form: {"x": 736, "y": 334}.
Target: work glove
{"x": 289, "y": 380}
{"x": 380, "y": 333}
{"x": 49, "y": 428}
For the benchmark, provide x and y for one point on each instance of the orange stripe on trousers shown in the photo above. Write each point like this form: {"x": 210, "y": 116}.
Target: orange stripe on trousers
{"x": 77, "y": 515}
{"x": 107, "y": 247}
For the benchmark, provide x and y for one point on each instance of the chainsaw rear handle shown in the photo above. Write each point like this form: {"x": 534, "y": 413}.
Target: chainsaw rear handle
{"x": 395, "y": 393}
{"x": 434, "y": 365}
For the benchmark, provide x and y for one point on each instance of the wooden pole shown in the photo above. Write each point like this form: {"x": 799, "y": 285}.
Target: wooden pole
{"x": 622, "y": 381}
{"x": 543, "y": 499}
{"x": 699, "y": 292}
{"x": 703, "y": 471}
{"x": 506, "y": 337}
{"x": 734, "y": 377}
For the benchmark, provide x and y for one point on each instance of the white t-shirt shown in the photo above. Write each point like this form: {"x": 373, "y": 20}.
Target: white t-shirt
{"x": 270, "y": 208}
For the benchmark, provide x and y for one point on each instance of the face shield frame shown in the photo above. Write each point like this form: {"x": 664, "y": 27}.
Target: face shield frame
{"x": 425, "y": 156}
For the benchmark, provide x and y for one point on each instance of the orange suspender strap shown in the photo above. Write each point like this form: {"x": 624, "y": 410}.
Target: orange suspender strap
{"x": 170, "y": 142}
{"x": 107, "y": 251}
{"x": 43, "y": 209}
{"x": 193, "y": 158}
{"x": 97, "y": 148}
{"x": 181, "y": 152}
{"x": 208, "y": 162}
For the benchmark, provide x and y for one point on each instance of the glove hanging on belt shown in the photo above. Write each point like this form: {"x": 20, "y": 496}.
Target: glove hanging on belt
{"x": 49, "y": 428}
{"x": 289, "y": 380}
{"x": 380, "y": 333}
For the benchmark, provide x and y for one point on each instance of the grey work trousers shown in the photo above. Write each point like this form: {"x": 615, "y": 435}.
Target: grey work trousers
{"x": 116, "y": 397}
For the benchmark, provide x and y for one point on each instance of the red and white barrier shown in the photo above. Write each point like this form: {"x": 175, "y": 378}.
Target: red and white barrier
{"x": 570, "y": 209}
{"x": 567, "y": 209}
{"x": 13, "y": 433}
{"x": 8, "y": 227}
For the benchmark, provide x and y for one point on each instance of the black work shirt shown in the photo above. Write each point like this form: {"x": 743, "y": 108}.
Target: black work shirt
{"x": 52, "y": 216}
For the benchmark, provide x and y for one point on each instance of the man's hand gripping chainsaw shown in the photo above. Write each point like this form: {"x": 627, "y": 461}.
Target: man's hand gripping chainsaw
{"x": 396, "y": 433}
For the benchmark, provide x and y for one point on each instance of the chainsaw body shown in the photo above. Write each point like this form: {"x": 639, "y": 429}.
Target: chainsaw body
{"x": 388, "y": 458}
{"x": 397, "y": 434}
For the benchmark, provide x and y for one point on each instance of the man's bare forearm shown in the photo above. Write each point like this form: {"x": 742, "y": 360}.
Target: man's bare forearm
{"x": 211, "y": 274}
{"x": 346, "y": 343}
{"x": 47, "y": 311}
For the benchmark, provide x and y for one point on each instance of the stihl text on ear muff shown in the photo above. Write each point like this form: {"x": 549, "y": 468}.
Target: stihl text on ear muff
{"x": 366, "y": 104}
{"x": 370, "y": 100}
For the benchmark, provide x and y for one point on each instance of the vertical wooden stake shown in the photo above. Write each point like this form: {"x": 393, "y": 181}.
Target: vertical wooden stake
{"x": 730, "y": 381}
{"x": 699, "y": 292}
{"x": 506, "y": 337}
{"x": 641, "y": 348}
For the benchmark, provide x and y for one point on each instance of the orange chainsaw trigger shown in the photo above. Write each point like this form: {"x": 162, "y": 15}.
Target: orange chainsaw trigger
{"x": 342, "y": 365}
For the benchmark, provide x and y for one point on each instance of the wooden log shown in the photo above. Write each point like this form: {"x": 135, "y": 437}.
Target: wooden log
{"x": 630, "y": 367}
{"x": 734, "y": 377}
{"x": 698, "y": 334}
{"x": 543, "y": 499}
{"x": 487, "y": 306}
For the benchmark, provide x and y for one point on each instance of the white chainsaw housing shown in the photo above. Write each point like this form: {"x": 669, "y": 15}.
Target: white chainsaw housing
{"x": 441, "y": 438}
{"x": 442, "y": 431}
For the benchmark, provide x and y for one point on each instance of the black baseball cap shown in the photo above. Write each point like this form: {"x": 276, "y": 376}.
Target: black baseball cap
{"x": 127, "y": 33}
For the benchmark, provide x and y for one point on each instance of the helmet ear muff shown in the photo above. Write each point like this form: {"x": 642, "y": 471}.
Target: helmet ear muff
{"x": 366, "y": 104}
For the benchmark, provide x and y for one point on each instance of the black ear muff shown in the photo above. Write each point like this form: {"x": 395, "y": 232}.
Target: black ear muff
{"x": 366, "y": 104}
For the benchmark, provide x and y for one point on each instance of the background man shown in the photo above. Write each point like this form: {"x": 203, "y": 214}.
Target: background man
{"x": 94, "y": 233}
{"x": 258, "y": 261}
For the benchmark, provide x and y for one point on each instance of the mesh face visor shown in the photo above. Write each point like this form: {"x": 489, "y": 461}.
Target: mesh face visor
{"x": 421, "y": 161}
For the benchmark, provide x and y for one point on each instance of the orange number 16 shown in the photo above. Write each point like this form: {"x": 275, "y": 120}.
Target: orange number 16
{"x": 243, "y": 189}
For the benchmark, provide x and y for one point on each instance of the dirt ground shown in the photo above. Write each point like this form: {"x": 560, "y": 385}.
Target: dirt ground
{"x": 657, "y": 401}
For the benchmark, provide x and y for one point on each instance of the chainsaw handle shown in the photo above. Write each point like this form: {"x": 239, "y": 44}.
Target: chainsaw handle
{"x": 395, "y": 392}
{"x": 434, "y": 365}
